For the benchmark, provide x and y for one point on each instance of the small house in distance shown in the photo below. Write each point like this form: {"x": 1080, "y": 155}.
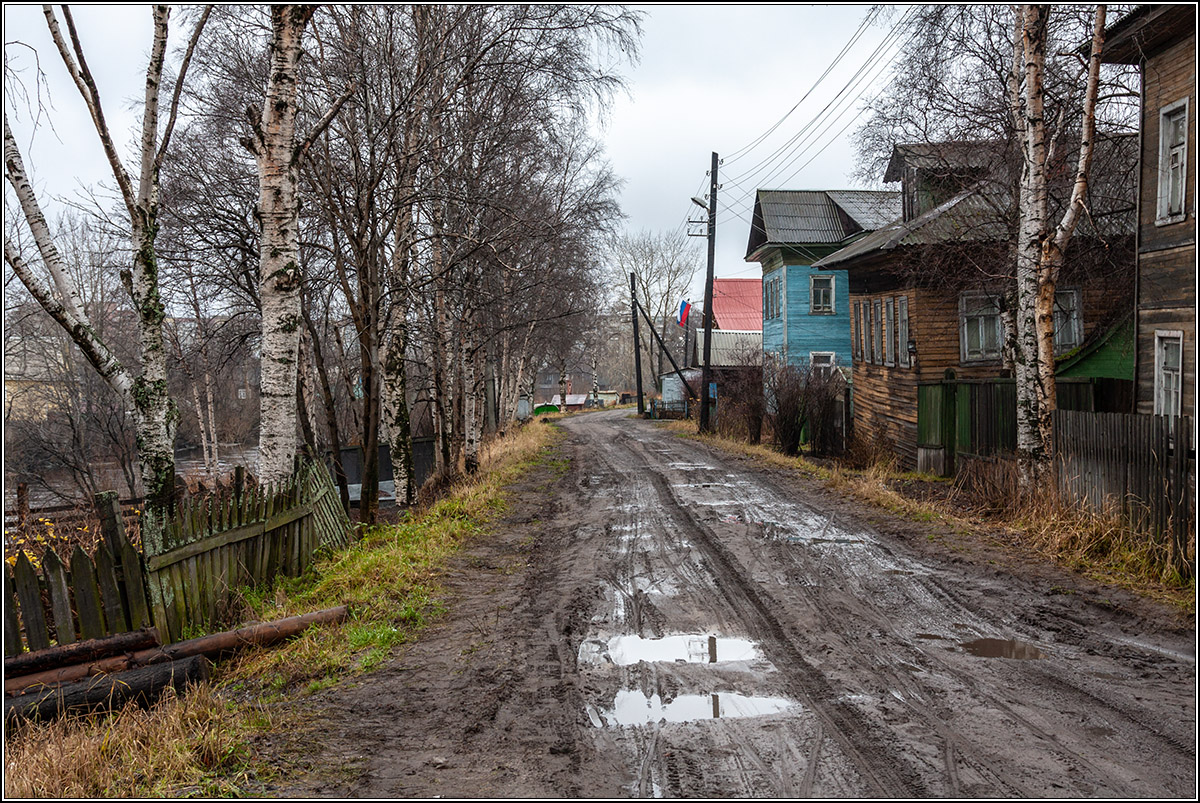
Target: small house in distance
{"x": 805, "y": 312}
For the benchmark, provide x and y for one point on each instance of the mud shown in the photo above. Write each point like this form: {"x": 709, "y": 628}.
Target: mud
{"x": 664, "y": 620}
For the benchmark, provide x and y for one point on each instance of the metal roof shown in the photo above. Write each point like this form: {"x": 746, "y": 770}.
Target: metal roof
{"x": 817, "y": 217}
{"x": 730, "y": 348}
{"x": 737, "y": 304}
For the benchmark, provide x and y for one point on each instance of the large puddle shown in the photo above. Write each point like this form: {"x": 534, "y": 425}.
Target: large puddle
{"x": 692, "y": 649}
{"x": 635, "y": 708}
{"x": 1002, "y": 648}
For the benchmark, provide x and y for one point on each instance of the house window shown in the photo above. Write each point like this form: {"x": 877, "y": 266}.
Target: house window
{"x": 902, "y": 330}
{"x": 821, "y": 363}
{"x": 241, "y": 393}
{"x": 820, "y": 295}
{"x": 877, "y": 333}
{"x": 979, "y": 319}
{"x": 1168, "y": 372}
{"x": 1172, "y": 162}
{"x": 1068, "y": 326}
{"x": 889, "y": 332}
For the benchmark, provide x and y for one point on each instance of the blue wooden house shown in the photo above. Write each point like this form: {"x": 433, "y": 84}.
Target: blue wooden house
{"x": 806, "y": 312}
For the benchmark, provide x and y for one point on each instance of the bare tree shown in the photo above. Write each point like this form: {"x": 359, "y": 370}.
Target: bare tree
{"x": 145, "y": 394}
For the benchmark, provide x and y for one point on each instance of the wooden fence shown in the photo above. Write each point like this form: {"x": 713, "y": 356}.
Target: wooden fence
{"x": 1142, "y": 465}
{"x": 185, "y": 578}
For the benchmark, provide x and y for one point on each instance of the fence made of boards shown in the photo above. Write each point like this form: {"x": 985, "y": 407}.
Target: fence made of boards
{"x": 1141, "y": 465}
{"x": 185, "y": 577}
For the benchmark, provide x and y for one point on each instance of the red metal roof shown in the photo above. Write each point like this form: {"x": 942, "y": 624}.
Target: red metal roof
{"x": 737, "y": 304}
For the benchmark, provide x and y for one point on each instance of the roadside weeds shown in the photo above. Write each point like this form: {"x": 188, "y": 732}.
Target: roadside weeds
{"x": 1098, "y": 546}
{"x": 201, "y": 743}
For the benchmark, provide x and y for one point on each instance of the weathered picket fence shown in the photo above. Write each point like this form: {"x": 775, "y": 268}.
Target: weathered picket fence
{"x": 183, "y": 579}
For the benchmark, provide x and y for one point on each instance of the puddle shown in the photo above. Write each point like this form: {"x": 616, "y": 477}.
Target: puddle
{"x": 834, "y": 541}
{"x": 635, "y": 708}
{"x": 931, "y": 637}
{"x": 905, "y": 572}
{"x": 691, "y": 649}
{"x": 1002, "y": 648}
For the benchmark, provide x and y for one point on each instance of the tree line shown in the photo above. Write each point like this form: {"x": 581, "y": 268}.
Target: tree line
{"x": 381, "y": 206}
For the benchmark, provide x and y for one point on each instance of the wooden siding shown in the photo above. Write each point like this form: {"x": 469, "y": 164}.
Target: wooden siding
{"x": 1169, "y": 76}
{"x": 1159, "y": 310}
{"x": 823, "y": 332}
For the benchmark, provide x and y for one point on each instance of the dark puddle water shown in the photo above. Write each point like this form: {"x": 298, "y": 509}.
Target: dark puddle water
{"x": 1002, "y": 648}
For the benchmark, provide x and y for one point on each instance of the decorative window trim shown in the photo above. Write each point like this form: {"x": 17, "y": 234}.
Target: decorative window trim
{"x": 984, "y": 356}
{"x": 1163, "y": 215}
{"x": 877, "y": 331}
{"x": 902, "y": 332}
{"x": 812, "y": 299}
{"x": 1160, "y": 337}
{"x": 829, "y": 367}
{"x": 1076, "y": 321}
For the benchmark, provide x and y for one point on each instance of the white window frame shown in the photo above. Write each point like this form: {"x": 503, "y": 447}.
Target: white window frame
{"x": 1076, "y": 322}
{"x": 827, "y": 369}
{"x": 983, "y": 356}
{"x": 902, "y": 331}
{"x": 1162, "y": 403}
{"x": 1164, "y": 216}
{"x": 812, "y": 298}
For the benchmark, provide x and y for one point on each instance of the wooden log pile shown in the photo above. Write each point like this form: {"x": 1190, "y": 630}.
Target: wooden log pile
{"x": 104, "y": 673}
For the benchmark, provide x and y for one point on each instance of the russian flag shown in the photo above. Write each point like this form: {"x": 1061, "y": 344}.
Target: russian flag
{"x": 684, "y": 308}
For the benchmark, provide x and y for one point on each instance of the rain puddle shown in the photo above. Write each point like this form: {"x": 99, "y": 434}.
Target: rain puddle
{"x": 1002, "y": 648}
{"x": 691, "y": 649}
{"x": 635, "y": 708}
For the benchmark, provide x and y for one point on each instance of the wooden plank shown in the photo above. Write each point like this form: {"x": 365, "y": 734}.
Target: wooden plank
{"x": 60, "y": 597}
{"x": 198, "y": 547}
{"x": 106, "y": 575}
{"x": 12, "y": 625}
{"x": 30, "y": 595}
{"x": 135, "y": 587}
{"x": 87, "y": 596}
{"x": 108, "y": 508}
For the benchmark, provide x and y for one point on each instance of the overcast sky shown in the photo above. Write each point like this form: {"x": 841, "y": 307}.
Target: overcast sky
{"x": 710, "y": 78}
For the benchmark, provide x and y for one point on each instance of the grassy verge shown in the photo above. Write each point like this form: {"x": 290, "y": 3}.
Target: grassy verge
{"x": 199, "y": 744}
{"x": 1100, "y": 547}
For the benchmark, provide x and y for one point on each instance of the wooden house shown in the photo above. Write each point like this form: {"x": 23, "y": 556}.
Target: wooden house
{"x": 926, "y": 306}
{"x": 1161, "y": 39}
{"x": 805, "y": 314}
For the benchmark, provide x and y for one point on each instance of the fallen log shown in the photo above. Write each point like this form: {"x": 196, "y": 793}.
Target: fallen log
{"x": 79, "y": 652}
{"x": 213, "y": 646}
{"x": 106, "y": 692}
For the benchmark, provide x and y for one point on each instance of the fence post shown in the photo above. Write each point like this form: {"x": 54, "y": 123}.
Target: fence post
{"x": 22, "y": 504}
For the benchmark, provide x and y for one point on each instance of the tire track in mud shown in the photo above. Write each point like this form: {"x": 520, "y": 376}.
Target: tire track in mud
{"x": 965, "y": 766}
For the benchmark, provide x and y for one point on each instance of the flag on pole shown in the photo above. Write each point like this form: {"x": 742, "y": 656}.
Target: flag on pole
{"x": 684, "y": 308}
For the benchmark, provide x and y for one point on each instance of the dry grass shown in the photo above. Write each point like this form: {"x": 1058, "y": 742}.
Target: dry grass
{"x": 193, "y": 743}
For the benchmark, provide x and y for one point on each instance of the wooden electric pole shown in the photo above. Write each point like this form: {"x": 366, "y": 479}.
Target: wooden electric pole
{"x": 637, "y": 344}
{"x": 706, "y": 371}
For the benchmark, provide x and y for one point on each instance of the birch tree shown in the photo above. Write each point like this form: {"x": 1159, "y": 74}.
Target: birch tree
{"x": 278, "y": 151}
{"x": 143, "y": 388}
{"x": 1042, "y": 243}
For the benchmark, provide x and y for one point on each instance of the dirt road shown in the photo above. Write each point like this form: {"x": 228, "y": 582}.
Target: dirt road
{"x": 664, "y": 620}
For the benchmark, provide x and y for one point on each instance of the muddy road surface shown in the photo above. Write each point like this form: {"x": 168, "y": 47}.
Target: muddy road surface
{"x": 659, "y": 619}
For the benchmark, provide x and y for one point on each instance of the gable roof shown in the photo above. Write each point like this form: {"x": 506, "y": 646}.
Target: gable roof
{"x": 816, "y": 217}
{"x": 737, "y": 304}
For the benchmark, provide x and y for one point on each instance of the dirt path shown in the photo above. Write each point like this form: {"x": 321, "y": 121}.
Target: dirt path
{"x": 665, "y": 620}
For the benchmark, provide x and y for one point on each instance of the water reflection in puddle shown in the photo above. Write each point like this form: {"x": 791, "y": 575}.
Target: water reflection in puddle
{"x": 1002, "y": 648}
{"x": 692, "y": 649}
{"x": 635, "y": 708}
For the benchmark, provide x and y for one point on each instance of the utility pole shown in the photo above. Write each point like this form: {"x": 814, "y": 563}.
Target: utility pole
{"x": 706, "y": 371}
{"x": 637, "y": 348}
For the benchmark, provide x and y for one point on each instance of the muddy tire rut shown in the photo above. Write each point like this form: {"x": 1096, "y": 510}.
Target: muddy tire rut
{"x": 665, "y": 620}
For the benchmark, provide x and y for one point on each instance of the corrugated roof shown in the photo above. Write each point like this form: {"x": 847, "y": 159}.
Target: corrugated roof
{"x": 817, "y": 217}
{"x": 737, "y": 304}
{"x": 730, "y": 348}
{"x": 969, "y": 216}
